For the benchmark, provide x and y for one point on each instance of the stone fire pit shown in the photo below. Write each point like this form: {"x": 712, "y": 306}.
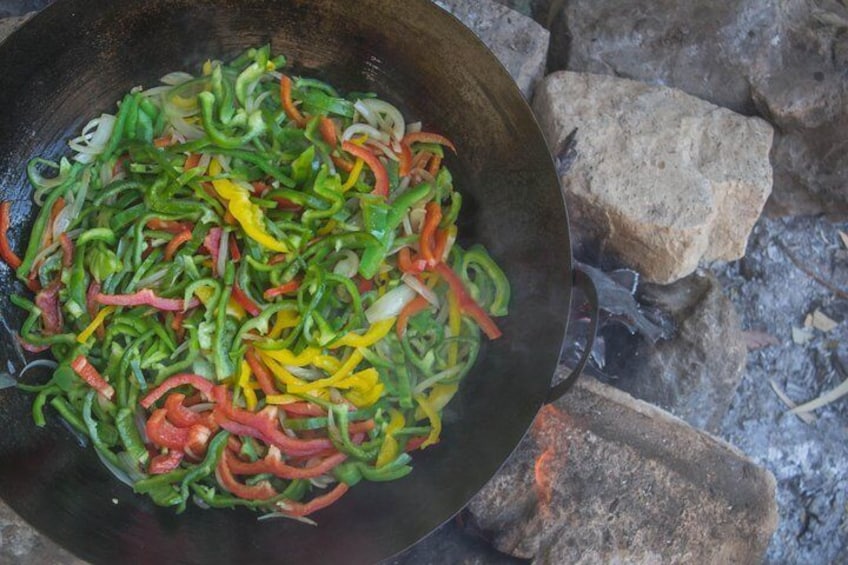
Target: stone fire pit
{"x": 674, "y": 125}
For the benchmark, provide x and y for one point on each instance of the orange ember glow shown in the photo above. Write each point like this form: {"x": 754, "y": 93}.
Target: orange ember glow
{"x": 549, "y": 431}
{"x": 542, "y": 473}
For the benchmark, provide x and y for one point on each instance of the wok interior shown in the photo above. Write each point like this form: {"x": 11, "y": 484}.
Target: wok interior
{"x": 77, "y": 58}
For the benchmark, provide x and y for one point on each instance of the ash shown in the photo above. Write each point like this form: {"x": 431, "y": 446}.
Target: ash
{"x": 810, "y": 461}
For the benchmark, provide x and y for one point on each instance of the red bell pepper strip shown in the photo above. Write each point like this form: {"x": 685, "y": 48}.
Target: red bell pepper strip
{"x": 47, "y": 301}
{"x": 165, "y": 463}
{"x": 6, "y": 252}
{"x": 408, "y": 265}
{"x": 263, "y": 376}
{"x": 300, "y": 509}
{"x": 435, "y": 164}
{"x": 170, "y": 226}
{"x": 414, "y": 443}
{"x": 286, "y": 288}
{"x": 428, "y": 233}
{"x": 198, "y": 382}
{"x": 192, "y": 161}
{"x": 182, "y": 417}
{"x": 405, "y": 159}
{"x": 67, "y": 250}
{"x": 264, "y": 426}
{"x": 235, "y": 253}
{"x": 163, "y": 433}
{"x": 328, "y": 131}
{"x": 245, "y": 302}
{"x": 260, "y": 491}
{"x": 147, "y": 297}
{"x": 441, "y": 245}
{"x": 272, "y": 463}
{"x": 304, "y": 409}
{"x": 381, "y": 177}
{"x": 342, "y": 164}
{"x": 428, "y": 137}
{"x": 466, "y": 303}
{"x": 418, "y": 304}
{"x": 288, "y": 105}
{"x": 175, "y": 243}
{"x": 90, "y": 375}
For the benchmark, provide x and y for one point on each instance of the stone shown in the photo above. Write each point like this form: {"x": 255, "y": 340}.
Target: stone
{"x": 517, "y": 41}
{"x": 803, "y": 90}
{"x": 696, "y": 372}
{"x": 662, "y": 180}
{"x": 8, "y": 25}
{"x": 618, "y": 481}
{"x": 20, "y": 544}
{"x": 784, "y": 60}
{"x": 703, "y": 48}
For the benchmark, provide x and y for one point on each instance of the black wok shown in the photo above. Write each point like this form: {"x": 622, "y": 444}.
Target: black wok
{"x": 77, "y": 57}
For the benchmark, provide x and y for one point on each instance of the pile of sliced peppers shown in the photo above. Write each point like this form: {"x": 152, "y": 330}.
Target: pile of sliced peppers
{"x": 252, "y": 289}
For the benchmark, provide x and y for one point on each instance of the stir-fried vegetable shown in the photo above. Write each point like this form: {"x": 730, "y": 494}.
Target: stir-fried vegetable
{"x": 252, "y": 289}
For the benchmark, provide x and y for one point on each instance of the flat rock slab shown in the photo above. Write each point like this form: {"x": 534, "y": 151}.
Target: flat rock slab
{"x": 617, "y": 480}
{"x": 662, "y": 179}
{"x": 517, "y": 41}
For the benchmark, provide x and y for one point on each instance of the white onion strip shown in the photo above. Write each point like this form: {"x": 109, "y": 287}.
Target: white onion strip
{"x": 427, "y": 293}
{"x": 390, "y": 304}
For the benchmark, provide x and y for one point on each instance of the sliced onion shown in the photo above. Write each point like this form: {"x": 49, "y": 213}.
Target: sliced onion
{"x": 156, "y": 90}
{"x": 7, "y": 381}
{"x": 223, "y": 249}
{"x": 254, "y": 104}
{"x": 95, "y": 135}
{"x": 175, "y": 78}
{"x": 438, "y": 377}
{"x": 377, "y": 108}
{"x": 185, "y": 129}
{"x": 82, "y": 439}
{"x": 414, "y": 127}
{"x": 305, "y": 373}
{"x": 152, "y": 281}
{"x": 323, "y": 481}
{"x": 275, "y": 515}
{"x": 365, "y": 129}
{"x": 49, "y": 363}
{"x": 119, "y": 473}
{"x": 141, "y": 424}
{"x": 50, "y": 249}
{"x": 205, "y": 159}
{"x": 427, "y": 293}
{"x": 201, "y": 406}
{"x": 384, "y": 149}
{"x": 347, "y": 266}
{"x": 407, "y": 225}
{"x": 390, "y": 304}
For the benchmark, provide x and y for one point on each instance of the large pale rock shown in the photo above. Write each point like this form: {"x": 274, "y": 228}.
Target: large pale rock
{"x": 605, "y": 478}
{"x": 662, "y": 178}
{"x": 517, "y": 41}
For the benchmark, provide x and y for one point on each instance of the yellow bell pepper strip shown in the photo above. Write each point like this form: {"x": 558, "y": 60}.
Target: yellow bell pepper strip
{"x": 345, "y": 370}
{"x": 390, "y": 449}
{"x": 280, "y": 399}
{"x": 363, "y": 388}
{"x": 247, "y": 214}
{"x": 455, "y": 327}
{"x": 435, "y": 420}
{"x": 285, "y": 319}
{"x": 374, "y": 334}
{"x": 354, "y": 175}
{"x": 244, "y": 383}
{"x": 286, "y": 357}
{"x": 95, "y": 323}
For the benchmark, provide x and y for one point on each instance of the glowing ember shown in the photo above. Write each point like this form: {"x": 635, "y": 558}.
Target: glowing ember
{"x": 549, "y": 431}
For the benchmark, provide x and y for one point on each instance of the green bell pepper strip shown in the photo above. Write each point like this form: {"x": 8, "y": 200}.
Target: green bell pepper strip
{"x": 70, "y": 415}
{"x": 476, "y": 258}
{"x": 223, "y": 366}
{"x": 93, "y": 432}
{"x": 255, "y": 124}
{"x": 39, "y": 402}
{"x": 251, "y": 75}
{"x": 205, "y": 468}
{"x": 340, "y": 435}
{"x": 130, "y": 438}
{"x": 37, "y": 234}
{"x": 97, "y": 234}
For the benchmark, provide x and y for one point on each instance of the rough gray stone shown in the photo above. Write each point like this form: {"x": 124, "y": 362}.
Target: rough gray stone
{"x": 517, "y": 41}
{"x": 624, "y": 482}
{"x": 8, "y": 25}
{"x": 662, "y": 179}
{"x": 694, "y": 374}
{"x": 803, "y": 89}
{"x": 20, "y": 544}
{"x": 703, "y": 48}
{"x": 783, "y": 59}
